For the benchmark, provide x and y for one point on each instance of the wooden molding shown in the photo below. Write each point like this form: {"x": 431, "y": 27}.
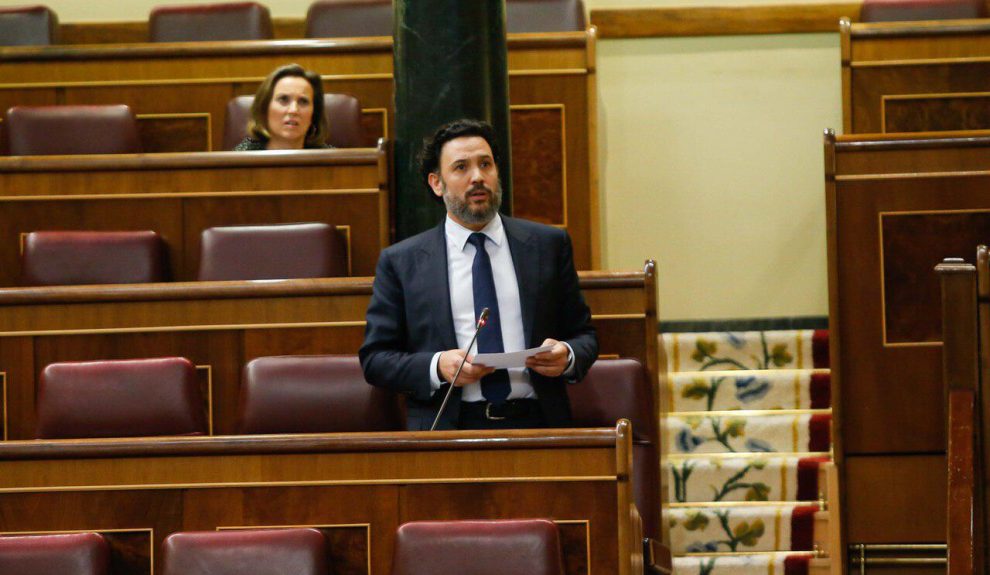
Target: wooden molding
{"x": 722, "y": 20}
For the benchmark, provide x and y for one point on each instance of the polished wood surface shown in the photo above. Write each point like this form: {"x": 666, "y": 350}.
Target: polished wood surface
{"x": 220, "y": 326}
{"x": 656, "y": 21}
{"x": 915, "y": 76}
{"x": 184, "y": 89}
{"x": 896, "y": 208}
{"x": 357, "y": 488}
{"x": 180, "y": 195}
{"x": 960, "y": 372}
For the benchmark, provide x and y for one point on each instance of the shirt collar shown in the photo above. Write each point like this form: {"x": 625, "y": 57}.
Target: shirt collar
{"x": 458, "y": 234}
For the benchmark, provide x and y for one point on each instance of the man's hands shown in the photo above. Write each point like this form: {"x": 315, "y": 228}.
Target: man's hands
{"x": 550, "y": 363}
{"x": 450, "y": 359}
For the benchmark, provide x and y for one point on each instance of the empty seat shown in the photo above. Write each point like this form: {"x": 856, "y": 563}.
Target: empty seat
{"x": 616, "y": 389}
{"x": 120, "y": 398}
{"x": 505, "y": 547}
{"x": 544, "y": 16}
{"x": 281, "y": 251}
{"x": 314, "y": 394}
{"x": 28, "y": 26}
{"x": 210, "y": 22}
{"x": 55, "y": 130}
{"x": 343, "y": 113}
{"x": 349, "y": 18}
{"x": 75, "y": 258}
{"x": 255, "y": 551}
{"x": 75, "y": 553}
{"x": 903, "y": 10}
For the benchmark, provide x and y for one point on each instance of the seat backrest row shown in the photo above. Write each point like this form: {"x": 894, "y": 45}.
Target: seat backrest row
{"x": 254, "y": 252}
{"x": 113, "y": 129}
{"x": 506, "y": 547}
{"x": 38, "y": 25}
{"x": 280, "y": 394}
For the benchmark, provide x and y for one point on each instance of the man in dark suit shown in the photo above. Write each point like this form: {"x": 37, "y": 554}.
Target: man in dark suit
{"x": 430, "y": 289}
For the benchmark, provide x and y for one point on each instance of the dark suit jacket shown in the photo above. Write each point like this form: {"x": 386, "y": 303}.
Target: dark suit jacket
{"x": 409, "y": 317}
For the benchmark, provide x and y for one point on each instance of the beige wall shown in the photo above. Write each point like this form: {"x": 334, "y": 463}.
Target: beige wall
{"x": 711, "y": 160}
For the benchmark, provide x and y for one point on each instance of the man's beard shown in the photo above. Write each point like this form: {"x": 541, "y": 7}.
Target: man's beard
{"x": 460, "y": 209}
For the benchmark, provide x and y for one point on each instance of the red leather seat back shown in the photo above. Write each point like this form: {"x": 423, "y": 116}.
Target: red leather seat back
{"x": 60, "y": 130}
{"x": 28, "y": 26}
{"x": 210, "y": 22}
{"x": 342, "y": 110}
{"x": 544, "y": 16}
{"x": 904, "y": 10}
{"x": 75, "y": 553}
{"x": 76, "y": 258}
{"x": 505, "y": 547}
{"x": 349, "y": 18}
{"x": 314, "y": 394}
{"x": 282, "y": 251}
{"x": 120, "y": 398}
{"x": 620, "y": 388}
{"x": 249, "y": 551}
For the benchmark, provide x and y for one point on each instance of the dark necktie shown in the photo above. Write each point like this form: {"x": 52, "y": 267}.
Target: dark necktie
{"x": 495, "y": 386}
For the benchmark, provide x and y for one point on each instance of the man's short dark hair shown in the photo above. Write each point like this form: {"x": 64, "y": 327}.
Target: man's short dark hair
{"x": 429, "y": 156}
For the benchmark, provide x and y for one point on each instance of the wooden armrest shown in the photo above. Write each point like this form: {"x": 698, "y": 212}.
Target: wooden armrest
{"x": 656, "y": 558}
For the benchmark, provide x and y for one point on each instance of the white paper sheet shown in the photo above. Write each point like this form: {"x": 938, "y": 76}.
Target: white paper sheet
{"x": 510, "y": 359}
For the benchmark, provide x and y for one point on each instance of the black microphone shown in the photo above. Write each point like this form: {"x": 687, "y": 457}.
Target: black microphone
{"x": 482, "y": 321}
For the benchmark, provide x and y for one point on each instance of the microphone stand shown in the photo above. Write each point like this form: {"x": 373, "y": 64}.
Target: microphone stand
{"x": 482, "y": 320}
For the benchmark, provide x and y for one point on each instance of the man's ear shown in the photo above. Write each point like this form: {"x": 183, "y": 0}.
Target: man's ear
{"x": 434, "y": 179}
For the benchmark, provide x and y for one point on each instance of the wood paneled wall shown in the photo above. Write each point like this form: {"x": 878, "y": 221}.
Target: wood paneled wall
{"x": 896, "y": 208}
{"x": 180, "y": 91}
{"x": 915, "y": 76}
{"x": 357, "y": 489}
{"x": 180, "y": 195}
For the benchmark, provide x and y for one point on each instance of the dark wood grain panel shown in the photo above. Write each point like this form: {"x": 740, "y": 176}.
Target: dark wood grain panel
{"x": 895, "y": 499}
{"x": 175, "y": 133}
{"x": 538, "y": 164}
{"x": 937, "y": 113}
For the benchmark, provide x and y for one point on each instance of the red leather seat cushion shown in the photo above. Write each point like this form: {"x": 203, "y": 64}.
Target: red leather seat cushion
{"x": 343, "y": 111}
{"x": 61, "y": 130}
{"x": 120, "y": 398}
{"x": 903, "y": 10}
{"x": 281, "y": 251}
{"x": 210, "y": 22}
{"x": 508, "y": 547}
{"x": 349, "y": 18}
{"x": 314, "y": 394}
{"x": 250, "y": 551}
{"x": 544, "y": 16}
{"x": 75, "y": 553}
{"x": 75, "y": 258}
{"x": 28, "y": 26}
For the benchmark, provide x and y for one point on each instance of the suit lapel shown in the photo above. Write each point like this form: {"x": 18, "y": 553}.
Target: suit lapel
{"x": 432, "y": 261}
{"x": 526, "y": 261}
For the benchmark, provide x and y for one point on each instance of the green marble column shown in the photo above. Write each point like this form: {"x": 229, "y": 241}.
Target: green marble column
{"x": 450, "y": 63}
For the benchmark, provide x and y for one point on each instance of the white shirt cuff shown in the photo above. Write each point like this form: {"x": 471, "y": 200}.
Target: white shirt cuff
{"x": 570, "y": 360}
{"x": 435, "y": 382}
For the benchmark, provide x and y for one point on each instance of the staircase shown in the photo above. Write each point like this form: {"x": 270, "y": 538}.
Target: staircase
{"x": 748, "y": 466}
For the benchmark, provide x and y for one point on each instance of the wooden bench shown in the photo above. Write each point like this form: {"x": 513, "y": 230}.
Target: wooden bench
{"x": 896, "y": 207}
{"x": 915, "y": 76}
{"x": 356, "y": 488}
{"x": 179, "y": 93}
{"x": 180, "y": 195}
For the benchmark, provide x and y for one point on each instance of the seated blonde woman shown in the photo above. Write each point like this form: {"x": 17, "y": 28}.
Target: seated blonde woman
{"x": 287, "y": 113}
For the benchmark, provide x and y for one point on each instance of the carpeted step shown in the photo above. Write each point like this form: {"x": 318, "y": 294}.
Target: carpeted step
{"x": 748, "y": 432}
{"x": 797, "y": 349}
{"x": 747, "y": 478}
{"x": 742, "y": 528}
{"x": 761, "y": 564}
{"x": 750, "y": 389}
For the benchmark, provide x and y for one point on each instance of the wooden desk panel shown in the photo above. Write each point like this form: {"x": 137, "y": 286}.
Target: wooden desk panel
{"x": 915, "y": 76}
{"x": 220, "y": 326}
{"x": 180, "y": 195}
{"x": 354, "y": 487}
{"x": 552, "y": 96}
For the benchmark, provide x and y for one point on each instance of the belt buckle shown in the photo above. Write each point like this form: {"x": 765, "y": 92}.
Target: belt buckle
{"x": 488, "y": 413}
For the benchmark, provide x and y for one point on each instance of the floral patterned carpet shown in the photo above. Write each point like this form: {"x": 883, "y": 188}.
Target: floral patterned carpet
{"x": 748, "y": 429}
